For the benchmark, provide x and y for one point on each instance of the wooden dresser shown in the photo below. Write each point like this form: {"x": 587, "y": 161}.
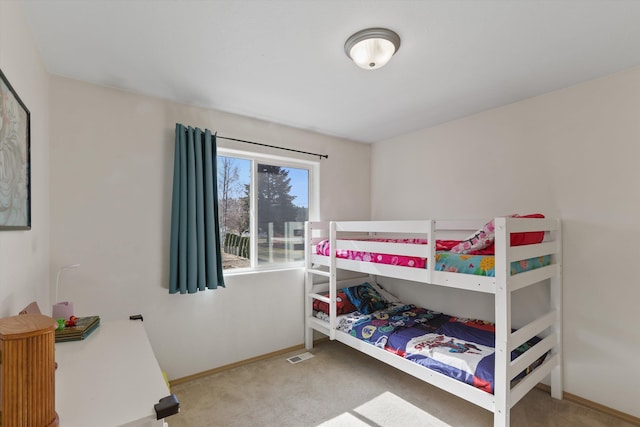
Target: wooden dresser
{"x": 27, "y": 371}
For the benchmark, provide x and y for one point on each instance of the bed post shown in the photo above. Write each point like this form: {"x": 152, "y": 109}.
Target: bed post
{"x": 556, "y": 304}
{"x": 332, "y": 281}
{"x": 308, "y": 282}
{"x": 431, "y": 257}
{"x": 502, "y": 307}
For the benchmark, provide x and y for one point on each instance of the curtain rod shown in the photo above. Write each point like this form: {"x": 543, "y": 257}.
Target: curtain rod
{"x": 326, "y": 156}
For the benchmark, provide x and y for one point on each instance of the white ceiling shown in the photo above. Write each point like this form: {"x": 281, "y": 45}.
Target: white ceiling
{"x": 283, "y": 60}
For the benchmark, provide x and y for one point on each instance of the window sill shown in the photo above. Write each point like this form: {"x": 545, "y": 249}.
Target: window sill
{"x": 267, "y": 269}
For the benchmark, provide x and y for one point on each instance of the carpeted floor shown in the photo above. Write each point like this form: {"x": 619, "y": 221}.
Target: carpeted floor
{"x": 342, "y": 387}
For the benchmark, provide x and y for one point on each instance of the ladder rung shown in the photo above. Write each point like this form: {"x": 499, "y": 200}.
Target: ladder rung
{"x": 319, "y": 272}
{"x": 321, "y": 298}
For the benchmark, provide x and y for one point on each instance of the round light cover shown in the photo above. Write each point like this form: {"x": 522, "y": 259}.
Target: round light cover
{"x": 372, "y": 48}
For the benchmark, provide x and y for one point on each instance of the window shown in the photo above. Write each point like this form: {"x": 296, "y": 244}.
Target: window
{"x": 263, "y": 204}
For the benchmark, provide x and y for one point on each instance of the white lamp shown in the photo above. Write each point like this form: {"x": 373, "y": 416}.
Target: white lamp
{"x": 372, "y": 48}
{"x": 62, "y": 310}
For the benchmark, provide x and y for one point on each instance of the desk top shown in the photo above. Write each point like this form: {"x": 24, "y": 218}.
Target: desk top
{"x": 110, "y": 378}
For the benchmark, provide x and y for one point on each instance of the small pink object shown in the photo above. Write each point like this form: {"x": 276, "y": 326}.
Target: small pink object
{"x": 62, "y": 310}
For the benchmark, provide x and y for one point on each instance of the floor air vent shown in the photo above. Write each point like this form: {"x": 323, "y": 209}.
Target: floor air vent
{"x": 299, "y": 358}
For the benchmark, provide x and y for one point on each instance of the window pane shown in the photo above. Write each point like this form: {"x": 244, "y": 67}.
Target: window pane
{"x": 261, "y": 225}
{"x": 234, "y": 180}
{"x": 282, "y": 209}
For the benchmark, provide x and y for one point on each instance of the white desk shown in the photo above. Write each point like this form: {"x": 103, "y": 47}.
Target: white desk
{"x": 111, "y": 378}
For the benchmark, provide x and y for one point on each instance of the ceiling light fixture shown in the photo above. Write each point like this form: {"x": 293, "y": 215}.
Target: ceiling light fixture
{"x": 372, "y": 48}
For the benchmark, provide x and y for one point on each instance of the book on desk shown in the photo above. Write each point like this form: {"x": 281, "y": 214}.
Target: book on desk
{"x": 83, "y": 327}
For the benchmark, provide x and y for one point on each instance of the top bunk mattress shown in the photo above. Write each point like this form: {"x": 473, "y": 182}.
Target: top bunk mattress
{"x": 479, "y": 263}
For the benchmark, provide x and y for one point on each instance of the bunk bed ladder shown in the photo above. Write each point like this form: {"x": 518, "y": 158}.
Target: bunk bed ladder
{"x": 505, "y": 341}
{"x": 310, "y": 272}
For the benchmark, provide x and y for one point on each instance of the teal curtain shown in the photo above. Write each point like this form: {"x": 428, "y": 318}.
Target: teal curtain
{"x": 195, "y": 258}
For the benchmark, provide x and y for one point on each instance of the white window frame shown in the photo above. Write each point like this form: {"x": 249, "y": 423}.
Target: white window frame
{"x": 313, "y": 197}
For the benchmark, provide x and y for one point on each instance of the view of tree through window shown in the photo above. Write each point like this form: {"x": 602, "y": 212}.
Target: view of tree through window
{"x": 280, "y": 204}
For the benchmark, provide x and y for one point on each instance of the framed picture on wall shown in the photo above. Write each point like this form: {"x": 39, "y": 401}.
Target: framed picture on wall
{"x": 15, "y": 160}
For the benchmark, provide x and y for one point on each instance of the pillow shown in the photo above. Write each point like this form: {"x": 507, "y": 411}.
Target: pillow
{"x": 385, "y": 295}
{"x": 475, "y": 323}
{"x": 365, "y": 298}
{"x": 485, "y": 237}
{"x": 530, "y": 238}
{"x": 481, "y": 239}
{"x": 343, "y": 304}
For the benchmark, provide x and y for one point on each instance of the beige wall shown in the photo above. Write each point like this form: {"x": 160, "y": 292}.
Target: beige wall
{"x": 24, "y": 255}
{"x": 111, "y": 175}
{"x": 573, "y": 154}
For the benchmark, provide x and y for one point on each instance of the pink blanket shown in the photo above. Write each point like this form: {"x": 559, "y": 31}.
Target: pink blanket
{"x": 323, "y": 248}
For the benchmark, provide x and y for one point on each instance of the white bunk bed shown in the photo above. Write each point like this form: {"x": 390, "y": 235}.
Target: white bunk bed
{"x": 348, "y": 235}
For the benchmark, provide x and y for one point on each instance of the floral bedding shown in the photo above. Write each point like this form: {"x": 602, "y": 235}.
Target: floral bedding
{"x": 484, "y": 265}
{"x": 481, "y": 262}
